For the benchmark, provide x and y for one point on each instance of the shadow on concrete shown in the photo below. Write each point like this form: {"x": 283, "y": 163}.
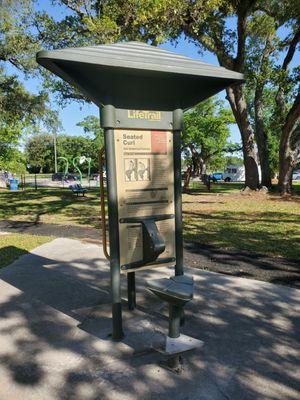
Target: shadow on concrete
{"x": 250, "y": 329}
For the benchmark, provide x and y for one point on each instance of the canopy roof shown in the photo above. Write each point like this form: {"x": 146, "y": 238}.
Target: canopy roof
{"x": 136, "y": 75}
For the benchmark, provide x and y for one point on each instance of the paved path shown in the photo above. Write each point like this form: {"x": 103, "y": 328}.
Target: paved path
{"x": 54, "y": 344}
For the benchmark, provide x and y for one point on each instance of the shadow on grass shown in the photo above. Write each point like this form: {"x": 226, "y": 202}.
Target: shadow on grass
{"x": 35, "y": 204}
{"x": 199, "y": 188}
{"x": 237, "y": 230}
{"x": 8, "y": 254}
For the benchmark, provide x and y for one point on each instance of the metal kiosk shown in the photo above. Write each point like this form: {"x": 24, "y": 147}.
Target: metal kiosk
{"x": 141, "y": 91}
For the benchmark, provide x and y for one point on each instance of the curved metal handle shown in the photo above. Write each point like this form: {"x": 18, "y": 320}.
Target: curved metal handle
{"x": 102, "y": 202}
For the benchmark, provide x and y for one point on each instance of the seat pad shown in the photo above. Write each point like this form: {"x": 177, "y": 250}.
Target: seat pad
{"x": 177, "y": 287}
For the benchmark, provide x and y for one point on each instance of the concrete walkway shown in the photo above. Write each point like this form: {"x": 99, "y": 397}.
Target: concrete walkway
{"x": 55, "y": 321}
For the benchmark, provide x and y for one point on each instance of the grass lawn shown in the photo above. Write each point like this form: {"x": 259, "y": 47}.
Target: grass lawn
{"x": 14, "y": 245}
{"x": 262, "y": 223}
{"x": 51, "y": 205}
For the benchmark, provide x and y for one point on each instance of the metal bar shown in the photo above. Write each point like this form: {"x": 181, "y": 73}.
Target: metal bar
{"x": 102, "y": 203}
{"x": 140, "y": 264}
{"x": 178, "y": 202}
{"x": 132, "y": 220}
{"x": 131, "y": 292}
{"x": 117, "y": 332}
{"x": 174, "y": 321}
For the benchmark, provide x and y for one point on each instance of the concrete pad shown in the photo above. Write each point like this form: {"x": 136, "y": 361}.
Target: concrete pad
{"x": 55, "y": 344}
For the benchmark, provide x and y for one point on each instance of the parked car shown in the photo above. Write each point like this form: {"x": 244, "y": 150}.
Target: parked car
{"x": 234, "y": 173}
{"x": 216, "y": 176}
{"x": 296, "y": 176}
{"x": 95, "y": 177}
{"x": 58, "y": 176}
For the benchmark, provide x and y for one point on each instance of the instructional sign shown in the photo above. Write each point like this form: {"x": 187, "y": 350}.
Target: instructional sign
{"x": 145, "y": 187}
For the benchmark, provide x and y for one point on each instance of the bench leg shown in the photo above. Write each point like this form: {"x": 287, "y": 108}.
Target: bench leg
{"x": 131, "y": 294}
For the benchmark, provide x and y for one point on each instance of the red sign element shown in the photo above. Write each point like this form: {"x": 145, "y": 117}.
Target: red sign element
{"x": 159, "y": 142}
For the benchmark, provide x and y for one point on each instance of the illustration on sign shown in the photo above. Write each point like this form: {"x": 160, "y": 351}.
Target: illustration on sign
{"x": 137, "y": 169}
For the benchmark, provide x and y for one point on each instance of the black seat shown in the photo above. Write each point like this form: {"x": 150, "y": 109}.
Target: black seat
{"x": 177, "y": 290}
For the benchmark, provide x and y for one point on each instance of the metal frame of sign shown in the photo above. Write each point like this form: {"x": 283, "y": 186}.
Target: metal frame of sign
{"x": 112, "y": 119}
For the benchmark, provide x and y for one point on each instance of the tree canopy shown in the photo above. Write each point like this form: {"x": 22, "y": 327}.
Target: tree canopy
{"x": 40, "y": 154}
{"x": 205, "y": 135}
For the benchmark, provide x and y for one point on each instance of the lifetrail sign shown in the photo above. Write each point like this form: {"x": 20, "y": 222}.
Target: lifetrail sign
{"x": 141, "y": 91}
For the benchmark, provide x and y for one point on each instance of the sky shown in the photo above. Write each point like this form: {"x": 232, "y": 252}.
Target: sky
{"x": 73, "y": 113}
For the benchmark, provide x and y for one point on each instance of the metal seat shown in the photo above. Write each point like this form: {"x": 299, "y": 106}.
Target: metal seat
{"x": 177, "y": 290}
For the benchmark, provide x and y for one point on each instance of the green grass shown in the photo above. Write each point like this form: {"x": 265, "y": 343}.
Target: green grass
{"x": 224, "y": 218}
{"x": 51, "y": 205}
{"x": 230, "y": 187}
{"x": 261, "y": 223}
{"x": 12, "y": 246}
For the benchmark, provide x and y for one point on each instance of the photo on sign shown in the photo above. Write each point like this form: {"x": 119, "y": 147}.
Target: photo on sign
{"x": 137, "y": 169}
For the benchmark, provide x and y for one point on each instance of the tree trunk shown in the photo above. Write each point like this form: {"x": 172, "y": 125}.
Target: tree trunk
{"x": 289, "y": 147}
{"x": 262, "y": 141}
{"x": 286, "y": 166}
{"x": 187, "y": 178}
{"x": 239, "y": 108}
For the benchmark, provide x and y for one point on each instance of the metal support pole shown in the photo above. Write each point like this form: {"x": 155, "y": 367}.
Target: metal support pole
{"x": 174, "y": 321}
{"x": 177, "y": 125}
{"x": 117, "y": 329}
{"x": 131, "y": 293}
{"x": 174, "y": 332}
{"x": 55, "y": 153}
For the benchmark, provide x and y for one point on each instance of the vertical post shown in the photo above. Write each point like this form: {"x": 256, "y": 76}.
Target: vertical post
{"x": 174, "y": 321}
{"x": 177, "y": 127}
{"x": 115, "y": 276}
{"x": 55, "y": 153}
{"x": 35, "y": 182}
{"x": 131, "y": 293}
{"x": 175, "y": 313}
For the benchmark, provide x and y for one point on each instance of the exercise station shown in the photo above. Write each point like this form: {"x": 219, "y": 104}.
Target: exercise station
{"x": 142, "y": 92}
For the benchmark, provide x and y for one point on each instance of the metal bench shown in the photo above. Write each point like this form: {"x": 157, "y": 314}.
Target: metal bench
{"x": 77, "y": 188}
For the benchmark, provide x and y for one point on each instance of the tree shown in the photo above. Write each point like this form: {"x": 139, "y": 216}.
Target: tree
{"x": 245, "y": 45}
{"x": 39, "y": 153}
{"x": 74, "y": 146}
{"x": 205, "y": 136}
{"x": 91, "y": 126}
{"x": 20, "y": 111}
{"x": 269, "y": 56}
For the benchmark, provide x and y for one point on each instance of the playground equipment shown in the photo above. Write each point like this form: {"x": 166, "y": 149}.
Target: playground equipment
{"x": 66, "y": 169}
{"x": 80, "y": 160}
{"x": 141, "y": 91}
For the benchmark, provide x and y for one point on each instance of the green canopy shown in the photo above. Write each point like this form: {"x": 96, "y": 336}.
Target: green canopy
{"x": 136, "y": 75}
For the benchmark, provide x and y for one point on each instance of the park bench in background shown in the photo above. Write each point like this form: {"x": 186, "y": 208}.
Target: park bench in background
{"x": 77, "y": 188}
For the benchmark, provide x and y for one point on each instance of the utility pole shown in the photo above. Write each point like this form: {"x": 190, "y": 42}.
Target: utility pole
{"x": 55, "y": 153}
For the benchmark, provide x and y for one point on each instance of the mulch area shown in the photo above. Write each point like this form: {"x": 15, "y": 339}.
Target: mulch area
{"x": 230, "y": 262}
{"x": 243, "y": 264}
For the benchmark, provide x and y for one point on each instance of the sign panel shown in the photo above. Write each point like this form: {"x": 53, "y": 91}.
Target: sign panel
{"x": 145, "y": 186}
